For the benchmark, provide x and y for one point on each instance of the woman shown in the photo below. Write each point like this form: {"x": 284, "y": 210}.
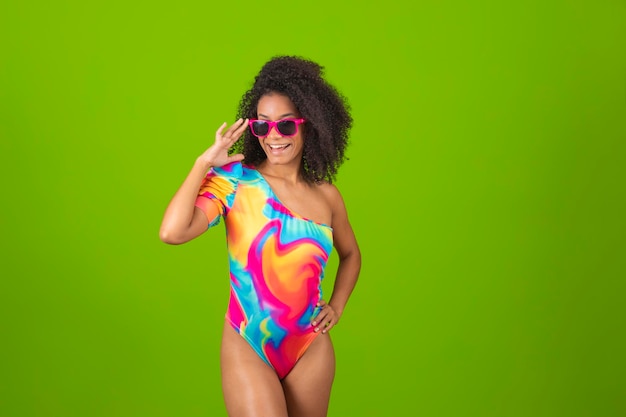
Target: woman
{"x": 282, "y": 217}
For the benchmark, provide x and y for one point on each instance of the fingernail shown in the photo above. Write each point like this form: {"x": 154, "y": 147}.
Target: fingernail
{"x": 314, "y": 323}
{"x": 317, "y": 329}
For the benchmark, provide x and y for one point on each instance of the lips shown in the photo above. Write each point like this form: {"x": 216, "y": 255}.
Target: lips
{"x": 278, "y": 147}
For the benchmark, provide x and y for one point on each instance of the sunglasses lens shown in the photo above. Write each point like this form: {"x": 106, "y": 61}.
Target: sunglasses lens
{"x": 287, "y": 127}
{"x": 260, "y": 128}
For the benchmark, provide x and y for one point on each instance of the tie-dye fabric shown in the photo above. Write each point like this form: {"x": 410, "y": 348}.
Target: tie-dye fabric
{"x": 277, "y": 261}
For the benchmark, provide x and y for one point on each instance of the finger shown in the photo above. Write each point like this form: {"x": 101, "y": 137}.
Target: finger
{"x": 242, "y": 128}
{"x": 219, "y": 131}
{"x": 328, "y": 325}
{"x": 324, "y": 319}
{"x": 320, "y": 313}
{"x": 233, "y": 127}
{"x": 238, "y": 132}
{"x": 321, "y": 316}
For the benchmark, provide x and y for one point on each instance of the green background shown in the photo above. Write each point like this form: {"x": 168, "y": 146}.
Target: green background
{"x": 485, "y": 185}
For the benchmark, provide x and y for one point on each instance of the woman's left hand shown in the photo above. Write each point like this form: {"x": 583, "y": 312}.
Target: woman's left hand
{"x": 326, "y": 318}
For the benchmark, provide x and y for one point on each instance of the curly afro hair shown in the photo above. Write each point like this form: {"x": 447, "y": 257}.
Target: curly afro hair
{"x": 326, "y": 111}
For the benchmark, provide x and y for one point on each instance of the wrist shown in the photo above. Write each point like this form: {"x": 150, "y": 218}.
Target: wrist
{"x": 203, "y": 164}
{"x": 338, "y": 309}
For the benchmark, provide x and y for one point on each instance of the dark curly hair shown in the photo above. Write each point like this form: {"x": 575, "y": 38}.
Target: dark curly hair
{"x": 326, "y": 111}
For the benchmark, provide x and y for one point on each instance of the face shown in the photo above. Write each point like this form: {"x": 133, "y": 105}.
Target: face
{"x": 280, "y": 150}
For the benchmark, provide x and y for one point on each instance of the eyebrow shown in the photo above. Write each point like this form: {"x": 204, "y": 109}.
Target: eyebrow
{"x": 279, "y": 117}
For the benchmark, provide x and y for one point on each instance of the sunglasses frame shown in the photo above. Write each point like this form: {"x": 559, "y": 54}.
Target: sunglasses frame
{"x": 274, "y": 125}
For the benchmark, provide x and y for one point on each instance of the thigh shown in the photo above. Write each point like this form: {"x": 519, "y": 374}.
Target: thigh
{"x": 307, "y": 386}
{"x": 251, "y": 387}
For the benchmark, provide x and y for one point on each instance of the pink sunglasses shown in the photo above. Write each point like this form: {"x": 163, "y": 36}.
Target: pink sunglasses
{"x": 285, "y": 127}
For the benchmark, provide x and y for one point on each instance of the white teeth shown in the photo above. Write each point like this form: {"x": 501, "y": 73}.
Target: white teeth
{"x": 278, "y": 146}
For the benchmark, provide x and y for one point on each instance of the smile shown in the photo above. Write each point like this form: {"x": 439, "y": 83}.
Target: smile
{"x": 277, "y": 147}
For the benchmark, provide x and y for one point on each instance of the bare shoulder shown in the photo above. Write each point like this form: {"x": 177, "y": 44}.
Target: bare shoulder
{"x": 330, "y": 191}
{"x": 343, "y": 235}
{"x": 331, "y": 194}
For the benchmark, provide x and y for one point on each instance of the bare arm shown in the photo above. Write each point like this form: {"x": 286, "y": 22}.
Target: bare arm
{"x": 182, "y": 220}
{"x": 348, "y": 269}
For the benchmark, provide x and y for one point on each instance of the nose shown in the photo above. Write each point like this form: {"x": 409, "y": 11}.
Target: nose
{"x": 274, "y": 133}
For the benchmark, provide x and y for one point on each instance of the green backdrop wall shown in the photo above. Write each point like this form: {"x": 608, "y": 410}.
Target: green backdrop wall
{"x": 485, "y": 184}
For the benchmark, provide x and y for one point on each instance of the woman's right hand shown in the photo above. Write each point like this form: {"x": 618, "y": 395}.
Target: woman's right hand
{"x": 217, "y": 154}
{"x": 184, "y": 221}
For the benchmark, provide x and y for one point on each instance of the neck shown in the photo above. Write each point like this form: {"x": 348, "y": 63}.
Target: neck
{"x": 290, "y": 173}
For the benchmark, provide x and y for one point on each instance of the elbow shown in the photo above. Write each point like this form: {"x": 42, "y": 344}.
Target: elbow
{"x": 357, "y": 257}
{"x": 353, "y": 257}
{"x": 170, "y": 238}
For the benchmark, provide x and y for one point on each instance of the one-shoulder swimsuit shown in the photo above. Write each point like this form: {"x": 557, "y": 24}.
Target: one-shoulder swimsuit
{"x": 277, "y": 260}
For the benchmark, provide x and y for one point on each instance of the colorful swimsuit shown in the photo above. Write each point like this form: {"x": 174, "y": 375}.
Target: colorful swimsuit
{"x": 277, "y": 261}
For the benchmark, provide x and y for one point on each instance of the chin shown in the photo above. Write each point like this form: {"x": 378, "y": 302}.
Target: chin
{"x": 280, "y": 161}
{"x": 283, "y": 160}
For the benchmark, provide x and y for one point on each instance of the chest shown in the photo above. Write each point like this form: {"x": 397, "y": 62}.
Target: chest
{"x": 302, "y": 200}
